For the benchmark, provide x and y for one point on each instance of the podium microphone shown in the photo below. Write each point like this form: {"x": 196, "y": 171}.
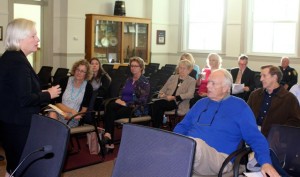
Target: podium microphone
{"x": 47, "y": 149}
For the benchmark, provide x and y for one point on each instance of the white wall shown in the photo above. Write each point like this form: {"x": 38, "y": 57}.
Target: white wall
{"x": 69, "y": 33}
{"x": 3, "y": 21}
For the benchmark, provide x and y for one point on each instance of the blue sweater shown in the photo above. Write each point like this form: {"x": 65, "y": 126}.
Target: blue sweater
{"x": 222, "y": 125}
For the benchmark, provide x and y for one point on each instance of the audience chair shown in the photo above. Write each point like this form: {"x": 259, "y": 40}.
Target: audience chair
{"x": 171, "y": 66}
{"x": 154, "y": 65}
{"x": 239, "y": 159}
{"x": 283, "y": 141}
{"x": 59, "y": 74}
{"x": 257, "y": 81}
{"x": 145, "y": 119}
{"x": 131, "y": 119}
{"x": 158, "y": 79}
{"x": 151, "y": 68}
{"x": 168, "y": 70}
{"x": 45, "y": 76}
{"x": 87, "y": 124}
{"x": 125, "y": 70}
{"x": 108, "y": 68}
{"x": 117, "y": 81}
{"x": 149, "y": 152}
{"x": 100, "y": 95}
{"x": 174, "y": 116}
{"x": 47, "y": 143}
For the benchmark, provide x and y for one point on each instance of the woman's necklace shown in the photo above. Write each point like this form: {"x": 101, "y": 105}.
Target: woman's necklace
{"x": 73, "y": 94}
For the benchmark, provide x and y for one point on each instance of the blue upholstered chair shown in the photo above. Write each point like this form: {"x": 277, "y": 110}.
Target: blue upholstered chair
{"x": 149, "y": 152}
{"x": 47, "y": 143}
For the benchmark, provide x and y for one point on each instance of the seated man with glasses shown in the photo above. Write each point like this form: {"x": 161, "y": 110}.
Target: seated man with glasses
{"x": 218, "y": 123}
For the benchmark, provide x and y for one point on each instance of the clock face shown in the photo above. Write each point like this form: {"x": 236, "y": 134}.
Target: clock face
{"x": 113, "y": 41}
{"x": 104, "y": 42}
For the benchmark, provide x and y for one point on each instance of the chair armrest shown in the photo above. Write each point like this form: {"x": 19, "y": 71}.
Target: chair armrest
{"x": 176, "y": 110}
{"x": 80, "y": 113}
{"x": 238, "y": 159}
{"x": 238, "y": 154}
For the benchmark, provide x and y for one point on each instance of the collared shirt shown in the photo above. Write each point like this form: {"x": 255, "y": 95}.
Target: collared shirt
{"x": 266, "y": 105}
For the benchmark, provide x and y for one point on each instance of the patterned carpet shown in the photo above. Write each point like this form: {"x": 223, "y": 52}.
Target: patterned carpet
{"x": 83, "y": 158}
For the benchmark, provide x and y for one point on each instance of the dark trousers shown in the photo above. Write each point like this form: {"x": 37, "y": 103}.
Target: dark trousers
{"x": 158, "y": 109}
{"x": 13, "y": 139}
{"x": 113, "y": 112}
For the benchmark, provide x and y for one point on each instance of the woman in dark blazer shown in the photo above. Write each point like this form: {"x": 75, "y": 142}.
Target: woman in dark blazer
{"x": 20, "y": 92}
{"x": 100, "y": 81}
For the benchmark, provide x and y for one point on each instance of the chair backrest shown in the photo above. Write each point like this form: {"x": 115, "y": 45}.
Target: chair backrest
{"x": 257, "y": 81}
{"x": 151, "y": 68}
{"x": 59, "y": 74}
{"x": 45, "y": 75}
{"x": 44, "y": 131}
{"x": 117, "y": 81}
{"x": 124, "y": 70}
{"x": 148, "y": 152}
{"x": 155, "y": 65}
{"x": 284, "y": 141}
{"x": 108, "y": 68}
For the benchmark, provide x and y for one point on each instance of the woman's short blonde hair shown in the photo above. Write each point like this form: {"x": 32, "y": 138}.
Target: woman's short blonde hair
{"x": 85, "y": 63}
{"x": 17, "y": 30}
{"x": 189, "y": 57}
{"x": 140, "y": 61}
{"x": 186, "y": 63}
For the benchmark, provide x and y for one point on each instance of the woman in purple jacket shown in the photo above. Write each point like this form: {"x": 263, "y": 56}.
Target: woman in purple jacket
{"x": 134, "y": 94}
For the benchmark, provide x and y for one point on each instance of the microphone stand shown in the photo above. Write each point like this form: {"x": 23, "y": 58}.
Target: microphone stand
{"x": 46, "y": 149}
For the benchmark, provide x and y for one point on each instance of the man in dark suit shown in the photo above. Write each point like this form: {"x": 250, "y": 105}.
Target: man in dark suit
{"x": 290, "y": 75}
{"x": 243, "y": 75}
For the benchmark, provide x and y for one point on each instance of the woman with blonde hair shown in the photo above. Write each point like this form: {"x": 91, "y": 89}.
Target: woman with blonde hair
{"x": 178, "y": 88}
{"x": 76, "y": 93}
{"x": 196, "y": 69}
{"x": 213, "y": 61}
{"x": 21, "y": 94}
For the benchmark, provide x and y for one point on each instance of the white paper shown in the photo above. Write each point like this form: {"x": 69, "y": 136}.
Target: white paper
{"x": 253, "y": 174}
{"x": 237, "y": 88}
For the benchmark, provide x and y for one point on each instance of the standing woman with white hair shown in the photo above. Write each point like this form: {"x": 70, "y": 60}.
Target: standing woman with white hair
{"x": 20, "y": 91}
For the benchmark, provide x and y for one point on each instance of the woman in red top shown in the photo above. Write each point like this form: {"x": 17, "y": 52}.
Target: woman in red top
{"x": 214, "y": 61}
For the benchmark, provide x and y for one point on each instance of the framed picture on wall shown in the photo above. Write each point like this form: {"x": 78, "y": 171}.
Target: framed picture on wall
{"x": 160, "y": 37}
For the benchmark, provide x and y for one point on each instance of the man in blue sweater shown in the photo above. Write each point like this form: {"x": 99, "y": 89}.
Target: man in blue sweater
{"x": 218, "y": 123}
